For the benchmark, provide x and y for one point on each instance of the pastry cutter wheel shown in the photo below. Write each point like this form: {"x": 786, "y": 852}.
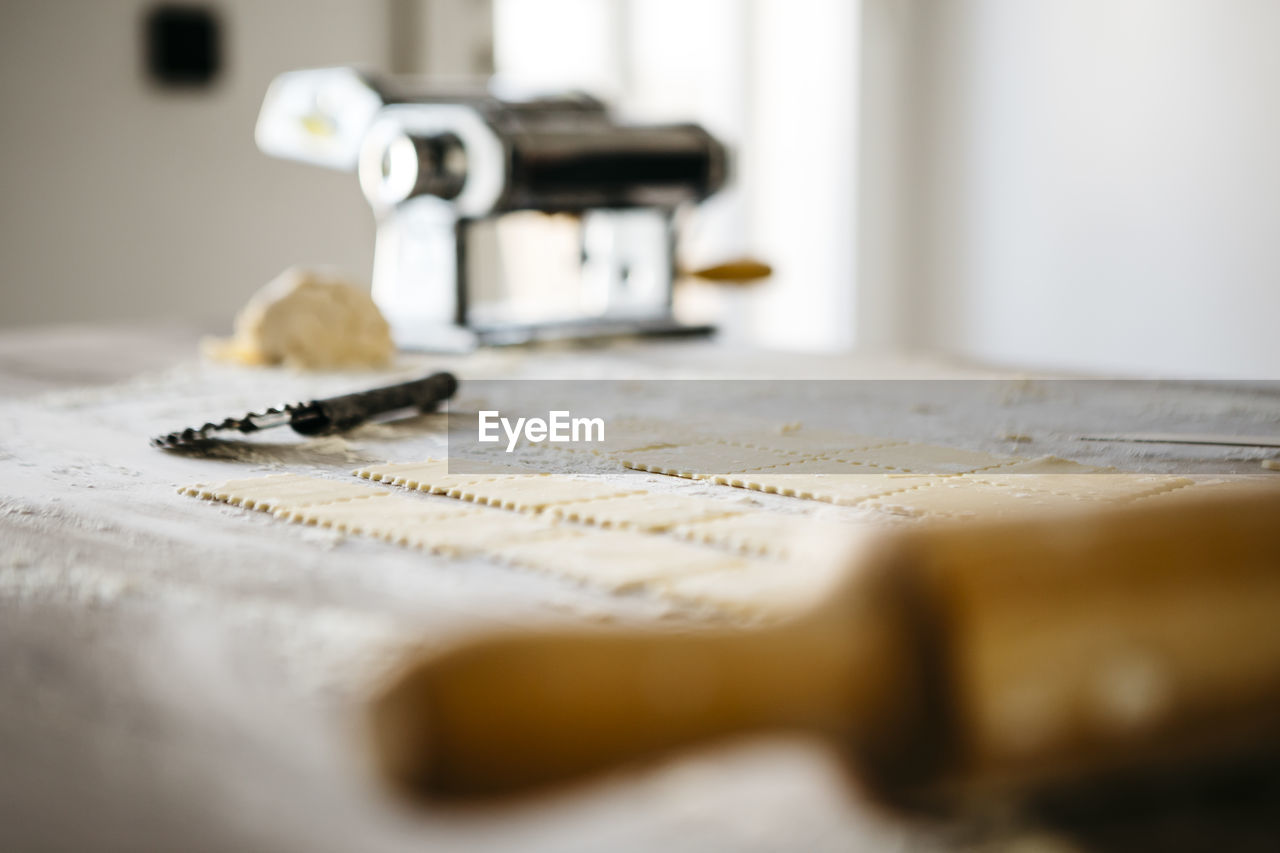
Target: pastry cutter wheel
{"x": 321, "y": 417}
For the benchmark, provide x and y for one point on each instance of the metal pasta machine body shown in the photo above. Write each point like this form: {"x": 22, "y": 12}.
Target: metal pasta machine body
{"x": 502, "y": 221}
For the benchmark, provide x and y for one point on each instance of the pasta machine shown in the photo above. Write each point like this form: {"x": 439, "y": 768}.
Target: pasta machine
{"x": 502, "y": 220}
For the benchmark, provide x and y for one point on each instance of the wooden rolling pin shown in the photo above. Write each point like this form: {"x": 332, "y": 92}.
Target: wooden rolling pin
{"x": 954, "y": 661}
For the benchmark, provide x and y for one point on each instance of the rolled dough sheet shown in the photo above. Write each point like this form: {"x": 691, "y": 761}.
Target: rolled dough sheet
{"x": 376, "y": 513}
{"x": 645, "y": 511}
{"x": 927, "y": 459}
{"x": 759, "y": 533}
{"x": 536, "y": 493}
{"x": 1052, "y": 465}
{"x": 464, "y": 529}
{"x": 631, "y": 434}
{"x": 842, "y": 483}
{"x": 964, "y": 497}
{"x": 444, "y": 526}
{"x": 1208, "y": 487}
{"x": 704, "y": 461}
{"x": 618, "y": 560}
{"x": 1101, "y": 486}
{"x": 433, "y": 475}
{"x": 627, "y": 434}
{"x": 808, "y": 442}
{"x": 756, "y": 588}
{"x": 969, "y": 500}
{"x": 692, "y": 548}
{"x": 281, "y": 491}
{"x": 710, "y": 460}
{"x": 805, "y": 466}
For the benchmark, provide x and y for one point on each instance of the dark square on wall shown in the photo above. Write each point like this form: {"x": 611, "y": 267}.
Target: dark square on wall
{"x": 183, "y": 45}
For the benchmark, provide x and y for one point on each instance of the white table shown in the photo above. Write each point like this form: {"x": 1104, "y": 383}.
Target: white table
{"x": 183, "y": 675}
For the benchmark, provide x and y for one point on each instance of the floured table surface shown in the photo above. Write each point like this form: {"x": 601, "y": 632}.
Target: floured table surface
{"x": 187, "y": 674}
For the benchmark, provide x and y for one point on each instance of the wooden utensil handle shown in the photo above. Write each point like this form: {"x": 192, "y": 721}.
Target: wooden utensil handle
{"x": 956, "y": 659}
{"x": 1103, "y": 641}
{"x": 505, "y": 713}
{"x": 510, "y": 713}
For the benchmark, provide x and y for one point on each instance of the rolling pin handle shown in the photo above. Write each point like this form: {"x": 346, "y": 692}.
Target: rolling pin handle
{"x": 506, "y": 714}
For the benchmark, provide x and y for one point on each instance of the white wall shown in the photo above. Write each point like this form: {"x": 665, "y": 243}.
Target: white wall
{"x": 122, "y": 202}
{"x": 803, "y": 170}
{"x": 892, "y": 85}
{"x": 1103, "y": 184}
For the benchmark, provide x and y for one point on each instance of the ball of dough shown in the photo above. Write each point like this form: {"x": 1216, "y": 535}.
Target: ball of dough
{"x": 311, "y": 320}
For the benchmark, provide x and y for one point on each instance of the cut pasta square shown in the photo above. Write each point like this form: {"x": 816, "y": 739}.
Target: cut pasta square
{"x": 646, "y": 511}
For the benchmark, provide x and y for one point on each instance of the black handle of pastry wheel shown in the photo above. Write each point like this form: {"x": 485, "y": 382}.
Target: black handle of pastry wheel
{"x": 341, "y": 413}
